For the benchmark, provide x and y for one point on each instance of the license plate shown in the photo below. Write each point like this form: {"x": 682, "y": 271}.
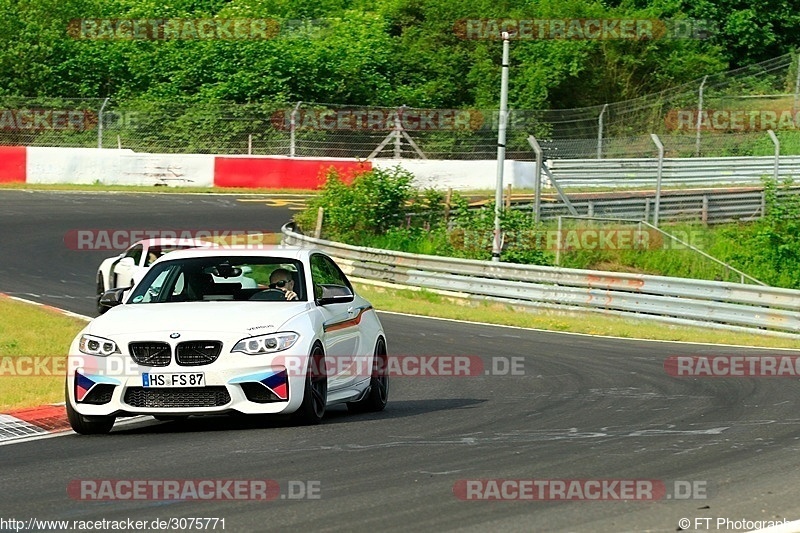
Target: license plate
{"x": 194, "y": 379}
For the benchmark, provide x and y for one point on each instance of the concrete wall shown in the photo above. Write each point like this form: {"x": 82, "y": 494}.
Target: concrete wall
{"x": 274, "y": 172}
{"x": 125, "y": 167}
{"x": 462, "y": 175}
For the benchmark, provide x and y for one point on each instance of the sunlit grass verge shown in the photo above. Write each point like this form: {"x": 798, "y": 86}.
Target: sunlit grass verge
{"x": 427, "y": 303}
{"x": 32, "y": 331}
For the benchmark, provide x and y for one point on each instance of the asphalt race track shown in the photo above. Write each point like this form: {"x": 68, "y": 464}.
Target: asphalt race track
{"x": 584, "y": 408}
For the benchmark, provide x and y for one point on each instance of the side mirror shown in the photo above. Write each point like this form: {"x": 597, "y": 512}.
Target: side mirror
{"x": 113, "y": 297}
{"x": 333, "y": 294}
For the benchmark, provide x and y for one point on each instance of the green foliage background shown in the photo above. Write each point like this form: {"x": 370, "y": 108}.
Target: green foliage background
{"x": 377, "y": 52}
{"x": 381, "y": 209}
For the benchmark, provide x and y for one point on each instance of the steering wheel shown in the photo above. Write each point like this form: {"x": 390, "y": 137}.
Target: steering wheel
{"x": 269, "y": 295}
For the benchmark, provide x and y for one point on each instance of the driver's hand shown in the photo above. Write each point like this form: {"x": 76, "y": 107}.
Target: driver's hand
{"x": 290, "y": 295}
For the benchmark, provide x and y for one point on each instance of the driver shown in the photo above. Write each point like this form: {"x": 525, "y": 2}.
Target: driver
{"x": 282, "y": 280}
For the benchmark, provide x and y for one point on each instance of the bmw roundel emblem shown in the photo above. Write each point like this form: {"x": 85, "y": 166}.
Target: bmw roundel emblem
{"x": 174, "y": 335}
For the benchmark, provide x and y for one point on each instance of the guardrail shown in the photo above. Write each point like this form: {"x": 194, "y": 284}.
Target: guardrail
{"x": 731, "y": 306}
{"x": 709, "y": 207}
{"x": 685, "y": 172}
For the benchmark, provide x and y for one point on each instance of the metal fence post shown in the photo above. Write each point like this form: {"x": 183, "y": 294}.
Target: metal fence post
{"x": 797, "y": 86}
{"x": 398, "y": 127}
{"x": 501, "y": 149}
{"x": 292, "y": 127}
{"x": 657, "y": 205}
{"x": 537, "y": 183}
{"x": 600, "y": 132}
{"x": 558, "y": 242}
{"x": 777, "y": 143}
{"x": 699, "y": 118}
{"x": 100, "y": 124}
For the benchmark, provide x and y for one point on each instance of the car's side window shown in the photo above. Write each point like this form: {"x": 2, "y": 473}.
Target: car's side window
{"x": 325, "y": 272}
{"x": 135, "y": 253}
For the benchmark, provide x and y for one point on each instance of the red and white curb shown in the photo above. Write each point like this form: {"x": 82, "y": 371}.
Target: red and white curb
{"x": 33, "y": 422}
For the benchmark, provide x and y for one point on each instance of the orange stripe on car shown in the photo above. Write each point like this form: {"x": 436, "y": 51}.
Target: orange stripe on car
{"x": 350, "y": 322}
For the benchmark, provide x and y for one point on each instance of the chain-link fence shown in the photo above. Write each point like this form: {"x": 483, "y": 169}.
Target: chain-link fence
{"x": 722, "y": 115}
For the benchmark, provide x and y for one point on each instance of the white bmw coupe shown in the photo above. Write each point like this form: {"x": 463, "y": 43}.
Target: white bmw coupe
{"x": 229, "y": 330}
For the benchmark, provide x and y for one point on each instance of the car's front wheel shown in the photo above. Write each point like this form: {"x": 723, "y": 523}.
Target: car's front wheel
{"x": 88, "y": 425}
{"x": 315, "y": 391}
{"x": 378, "y": 394}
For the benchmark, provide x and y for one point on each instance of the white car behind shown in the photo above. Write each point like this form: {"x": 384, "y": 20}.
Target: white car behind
{"x": 123, "y": 269}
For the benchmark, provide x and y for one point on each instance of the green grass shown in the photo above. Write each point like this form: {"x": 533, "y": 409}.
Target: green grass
{"x": 735, "y": 244}
{"x": 33, "y": 332}
{"x": 666, "y": 257}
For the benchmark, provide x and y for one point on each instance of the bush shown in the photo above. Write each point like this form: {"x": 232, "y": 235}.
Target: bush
{"x": 770, "y": 247}
{"x": 373, "y": 203}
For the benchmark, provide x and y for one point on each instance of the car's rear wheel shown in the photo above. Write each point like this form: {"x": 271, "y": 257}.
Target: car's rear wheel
{"x": 101, "y": 288}
{"x": 315, "y": 391}
{"x": 88, "y": 425}
{"x": 378, "y": 394}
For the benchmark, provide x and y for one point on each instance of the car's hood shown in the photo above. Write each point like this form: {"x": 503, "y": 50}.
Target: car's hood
{"x": 240, "y": 317}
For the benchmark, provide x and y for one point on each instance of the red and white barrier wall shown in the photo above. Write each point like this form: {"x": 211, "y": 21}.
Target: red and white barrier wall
{"x": 13, "y": 164}
{"x": 454, "y": 174}
{"x": 274, "y": 172}
{"x": 125, "y": 167}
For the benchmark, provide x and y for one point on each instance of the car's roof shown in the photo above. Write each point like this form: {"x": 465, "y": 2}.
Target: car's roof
{"x": 251, "y": 250}
{"x": 164, "y": 241}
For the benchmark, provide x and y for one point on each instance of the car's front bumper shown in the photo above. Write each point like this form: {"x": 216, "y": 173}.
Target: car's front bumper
{"x": 103, "y": 386}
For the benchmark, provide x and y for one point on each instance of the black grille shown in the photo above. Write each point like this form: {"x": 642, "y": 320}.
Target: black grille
{"x": 195, "y": 353}
{"x": 150, "y": 353}
{"x": 177, "y": 397}
{"x": 99, "y": 394}
{"x": 258, "y": 393}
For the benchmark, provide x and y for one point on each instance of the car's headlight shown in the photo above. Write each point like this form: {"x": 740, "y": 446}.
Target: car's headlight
{"x": 274, "y": 342}
{"x": 92, "y": 345}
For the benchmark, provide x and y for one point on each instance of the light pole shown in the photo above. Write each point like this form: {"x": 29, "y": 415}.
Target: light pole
{"x": 501, "y": 148}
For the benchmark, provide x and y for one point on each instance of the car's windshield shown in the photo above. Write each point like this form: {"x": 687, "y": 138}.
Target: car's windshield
{"x": 220, "y": 278}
